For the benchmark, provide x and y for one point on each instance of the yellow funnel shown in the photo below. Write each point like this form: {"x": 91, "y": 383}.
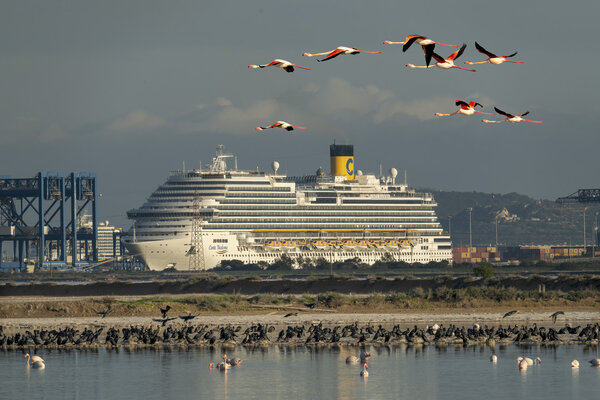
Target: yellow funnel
{"x": 342, "y": 160}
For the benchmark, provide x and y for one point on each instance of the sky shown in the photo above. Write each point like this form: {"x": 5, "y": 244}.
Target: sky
{"x": 132, "y": 89}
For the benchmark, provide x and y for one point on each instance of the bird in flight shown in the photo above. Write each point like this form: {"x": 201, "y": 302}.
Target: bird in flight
{"x": 105, "y": 312}
{"x": 493, "y": 59}
{"x": 508, "y": 314}
{"x": 445, "y": 63}
{"x": 555, "y": 315}
{"x": 165, "y": 310}
{"x": 339, "y": 51}
{"x": 465, "y": 109}
{"x": 426, "y": 44}
{"x": 187, "y": 318}
{"x": 163, "y": 321}
{"x": 510, "y": 118}
{"x": 286, "y": 65}
{"x": 292, "y": 314}
{"x": 281, "y": 124}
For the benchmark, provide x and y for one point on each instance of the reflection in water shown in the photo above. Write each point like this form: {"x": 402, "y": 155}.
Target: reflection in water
{"x": 303, "y": 372}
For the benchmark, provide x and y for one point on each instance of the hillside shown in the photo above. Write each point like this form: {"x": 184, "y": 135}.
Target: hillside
{"x": 521, "y": 219}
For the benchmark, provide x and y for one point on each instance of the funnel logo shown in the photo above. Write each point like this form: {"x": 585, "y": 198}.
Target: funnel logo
{"x": 350, "y": 167}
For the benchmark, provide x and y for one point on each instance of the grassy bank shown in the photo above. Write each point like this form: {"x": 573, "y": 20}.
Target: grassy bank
{"x": 442, "y": 298}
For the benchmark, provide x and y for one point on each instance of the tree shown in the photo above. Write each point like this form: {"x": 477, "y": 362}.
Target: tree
{"x": 484, "y": 271}
{"x": 284, "y": 263}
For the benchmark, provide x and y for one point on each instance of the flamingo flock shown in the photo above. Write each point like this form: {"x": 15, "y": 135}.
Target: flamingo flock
{"x": 428, "y": 46}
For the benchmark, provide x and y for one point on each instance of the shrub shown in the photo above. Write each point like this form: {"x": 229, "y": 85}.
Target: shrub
{"x": 331, "y": 300}
{"x": 484, "y": 271}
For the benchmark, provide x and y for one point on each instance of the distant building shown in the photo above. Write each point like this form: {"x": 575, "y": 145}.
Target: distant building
{"x": 106, "y": 243}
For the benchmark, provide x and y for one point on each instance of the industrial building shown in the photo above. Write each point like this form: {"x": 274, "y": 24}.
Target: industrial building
{"x": 109, "y": 243}
{"x": 40, "y": 214}
{"x": 521, "y": 253}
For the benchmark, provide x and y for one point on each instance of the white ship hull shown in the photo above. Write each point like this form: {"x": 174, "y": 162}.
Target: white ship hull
{"x": 198, "y": 219}
{"x": 161, "y": 254}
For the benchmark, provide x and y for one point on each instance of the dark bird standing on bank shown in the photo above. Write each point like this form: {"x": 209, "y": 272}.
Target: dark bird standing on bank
{"x": 508, "y": 314}
{"x": 556, "y": 314}
{"x": 312, "y": 305}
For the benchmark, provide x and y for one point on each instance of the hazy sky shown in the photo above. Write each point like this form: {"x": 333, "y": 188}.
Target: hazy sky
{"x": 130, "y": 89}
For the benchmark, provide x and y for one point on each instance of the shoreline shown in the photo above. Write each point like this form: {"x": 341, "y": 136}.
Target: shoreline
{"x": 276, "y": 319}
{"x": 304, "y": 329}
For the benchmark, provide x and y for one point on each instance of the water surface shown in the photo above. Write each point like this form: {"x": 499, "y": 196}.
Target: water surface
{"x": 401, "y": 372}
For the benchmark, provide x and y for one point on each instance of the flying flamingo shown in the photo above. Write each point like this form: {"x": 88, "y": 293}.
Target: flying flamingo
{"x": 445, "y": 63}
{"x": 427, "y": 44}
{"x": 510, "y": 118}
{"x": 465, "y": 109}
{"x": 493, "y": 59}
{"x": 286, "y": 65}
{"x": 280, "y": 124}
{"x": 339, "y": 51}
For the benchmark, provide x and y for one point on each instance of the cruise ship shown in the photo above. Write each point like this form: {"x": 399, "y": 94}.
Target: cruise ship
{"x": 200, "y": 218}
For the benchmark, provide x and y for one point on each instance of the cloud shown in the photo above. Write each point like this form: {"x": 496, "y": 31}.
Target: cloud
{"x": 138, "y": 120}
{"x": 223, "y": 102}
{"x": 338, "y": 105}
{"x": 52, "y": 133}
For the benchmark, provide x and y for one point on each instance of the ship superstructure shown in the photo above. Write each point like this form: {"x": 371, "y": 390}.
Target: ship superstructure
{"x": 198, "y": 218}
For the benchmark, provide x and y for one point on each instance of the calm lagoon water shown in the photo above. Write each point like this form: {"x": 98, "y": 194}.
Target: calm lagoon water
{"x": 304, "y": 373}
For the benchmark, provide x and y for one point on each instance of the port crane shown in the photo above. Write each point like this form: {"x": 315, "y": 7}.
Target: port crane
{"x": 581, "y": 196}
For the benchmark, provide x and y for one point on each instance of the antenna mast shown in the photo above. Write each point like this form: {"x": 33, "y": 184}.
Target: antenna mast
{"x": 196, "y": 252}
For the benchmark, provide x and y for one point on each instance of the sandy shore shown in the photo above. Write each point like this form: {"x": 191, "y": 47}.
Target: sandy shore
{"x": 276, "y": 319}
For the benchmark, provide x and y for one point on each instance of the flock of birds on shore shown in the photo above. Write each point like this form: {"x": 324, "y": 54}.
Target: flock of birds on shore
{"x": 303, "y": 334}
{"x": 428, "y": 46}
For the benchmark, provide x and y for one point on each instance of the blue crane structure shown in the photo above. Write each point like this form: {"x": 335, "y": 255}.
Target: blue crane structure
{"x": 36, "y": 210}
{"x": 581, "y": 196}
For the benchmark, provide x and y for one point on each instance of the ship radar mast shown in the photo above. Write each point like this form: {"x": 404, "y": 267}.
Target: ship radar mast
{"x": 219, "y": 163}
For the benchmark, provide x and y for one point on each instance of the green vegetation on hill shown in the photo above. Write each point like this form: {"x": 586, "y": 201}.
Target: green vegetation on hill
{"x": 521, "y": 219}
